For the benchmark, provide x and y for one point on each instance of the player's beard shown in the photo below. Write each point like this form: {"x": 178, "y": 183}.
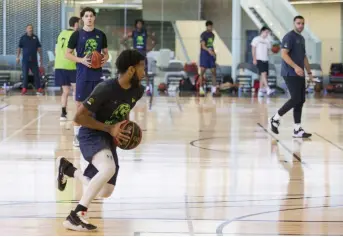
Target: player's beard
{"x": 135, "y": 81}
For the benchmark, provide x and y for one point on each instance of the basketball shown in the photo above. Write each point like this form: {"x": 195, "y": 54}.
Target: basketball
{"x": 96, "y": 58}
{"x": 330, "y": 88}
{"x": 162, "y": 87}
{"x": 135, "y": 136}
{"x": 276, "y": 48}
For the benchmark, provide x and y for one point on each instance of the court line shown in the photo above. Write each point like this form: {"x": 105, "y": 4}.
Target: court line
{"x": 189, "y": 218}
{"x": 335, "y": 145}
{"x": 283, "y": 145}
{"x": 219, "y": 230}
{"x": 22, "y": 128}
{"x": 207, "y": 138}
{"x": 137, "y": 233}
{"x": 1, "y": 108}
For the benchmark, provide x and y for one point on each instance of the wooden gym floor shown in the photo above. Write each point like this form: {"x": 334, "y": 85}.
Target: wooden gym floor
{"x": 205, "y": 167}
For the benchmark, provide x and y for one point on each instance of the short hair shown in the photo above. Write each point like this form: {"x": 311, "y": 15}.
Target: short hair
{"x": 209, "y": 23}
{"x": 29, "y": 25}
{"x": 298, "y": 17}
{"x": 87, "y": 9}
{"x": 264, "y": 28}
{"x": 128, "y": 58}
{"x": 73, "y": 20}
{"x": 139, "y": 20}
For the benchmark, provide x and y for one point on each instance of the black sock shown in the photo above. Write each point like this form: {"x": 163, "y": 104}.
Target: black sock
{"x": 80, "y": 208}
{"x": 69, "y": 171}
{"x": 64, "y": 110}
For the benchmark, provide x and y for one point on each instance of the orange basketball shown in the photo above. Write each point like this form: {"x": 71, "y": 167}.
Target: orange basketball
{"x": 276, "y": 48}
{"x": 135, "y": 136}
{"x": 330, "y": 88}
{"x": 162, "y": 87}
{"x": 96, "y": 58}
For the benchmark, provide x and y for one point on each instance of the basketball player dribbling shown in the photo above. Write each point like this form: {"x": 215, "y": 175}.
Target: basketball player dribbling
{"x": 208, "y": 59}
{"x": 85, "y": 41}
{"x": 101, "y": 116}
{"x": 65, "y": 70}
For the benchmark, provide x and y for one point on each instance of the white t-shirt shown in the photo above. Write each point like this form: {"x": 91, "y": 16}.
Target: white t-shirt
{"x": 262, "y": 47}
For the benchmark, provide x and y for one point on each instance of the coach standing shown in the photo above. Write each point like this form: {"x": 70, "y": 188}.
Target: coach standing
{"x": 294, "y": 60}
{"x": 30, "y": 45}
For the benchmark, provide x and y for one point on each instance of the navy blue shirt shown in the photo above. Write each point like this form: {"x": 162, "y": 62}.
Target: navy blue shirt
{"x": 139, "y": 40}
{"x": 208, "y": 38}
{"x": 110, "y": 104}
{"x": 295, "y": 43}
{"x": 30, "y": 45}
{"x": 85, "y": 43}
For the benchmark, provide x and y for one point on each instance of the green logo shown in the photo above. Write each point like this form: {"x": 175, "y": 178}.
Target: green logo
{"x": 119, "y": 114}
{"x": 140, "y": 40}
{"x": 210, "y": 42}
{"x": 90, "y": 101}
{"x": 91, "y": 46}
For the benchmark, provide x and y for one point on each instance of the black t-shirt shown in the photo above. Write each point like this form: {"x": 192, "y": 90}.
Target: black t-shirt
{"x": 110, "y": 103}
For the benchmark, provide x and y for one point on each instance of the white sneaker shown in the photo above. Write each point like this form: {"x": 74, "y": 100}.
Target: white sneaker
{"x": 260, "y": 93}
{"x": 301, "y": 134}
{"x": 270, "y": 91}
{"x": 201, "y": 91}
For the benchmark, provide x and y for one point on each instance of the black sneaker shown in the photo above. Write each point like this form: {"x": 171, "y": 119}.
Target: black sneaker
{"x": 301, "y": 134}
{"x": 76, "y": 221}
{"x": 274, "y": 125}
{"x": 62, "y": 165}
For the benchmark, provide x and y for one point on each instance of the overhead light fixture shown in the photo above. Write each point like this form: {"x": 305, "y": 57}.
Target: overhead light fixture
{"x": 298, "y": 2}
{"x": 90, "y": 2}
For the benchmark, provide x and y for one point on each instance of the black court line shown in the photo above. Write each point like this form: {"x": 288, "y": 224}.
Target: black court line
{"x": 283, "y": 145}
{"x": 219, "y": 230}
{"x": 4, "y": 106}
{"x": 209, "y": 149}
{"x": 325, "y": 139}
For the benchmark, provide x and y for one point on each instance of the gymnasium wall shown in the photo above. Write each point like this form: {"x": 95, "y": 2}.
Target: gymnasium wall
{"x": 220, "y": 12}
{"x": 20, "y": 13}
{"x": 325, "y": 20}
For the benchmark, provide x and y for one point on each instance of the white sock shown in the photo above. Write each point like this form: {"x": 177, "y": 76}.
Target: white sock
{"x": 103, "y": 162}
{"x": 297, "y": 126}
{"x": 76, "y": 130}
{"x": 214, "y": 89}
{"x": 277, "y": 116}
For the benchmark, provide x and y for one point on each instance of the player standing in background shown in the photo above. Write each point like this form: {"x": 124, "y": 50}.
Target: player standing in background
{"x": 65, "y": 70}
{"x": 208, "y": 59}
{"x": 140, "y": 40}
{"x": 85, "y": 41}
{"x": 260, "y": 51}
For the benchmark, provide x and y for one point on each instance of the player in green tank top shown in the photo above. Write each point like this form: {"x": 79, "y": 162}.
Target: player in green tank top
{"x": 65, "y": 70}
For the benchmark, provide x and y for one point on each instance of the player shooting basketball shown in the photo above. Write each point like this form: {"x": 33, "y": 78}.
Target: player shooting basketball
{"x": 85, "y": 41}
{"x": 110, "y": 103}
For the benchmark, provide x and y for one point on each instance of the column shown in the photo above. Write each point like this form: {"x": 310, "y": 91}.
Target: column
{"x": 236, "y": 36}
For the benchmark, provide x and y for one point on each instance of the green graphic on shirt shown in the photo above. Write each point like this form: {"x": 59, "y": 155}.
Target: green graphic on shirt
{"x": 91, "y": 45}
{"x": 140, "y": 40}
{"x": 210, "y": 43}
{"x": 119, "y": 114}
